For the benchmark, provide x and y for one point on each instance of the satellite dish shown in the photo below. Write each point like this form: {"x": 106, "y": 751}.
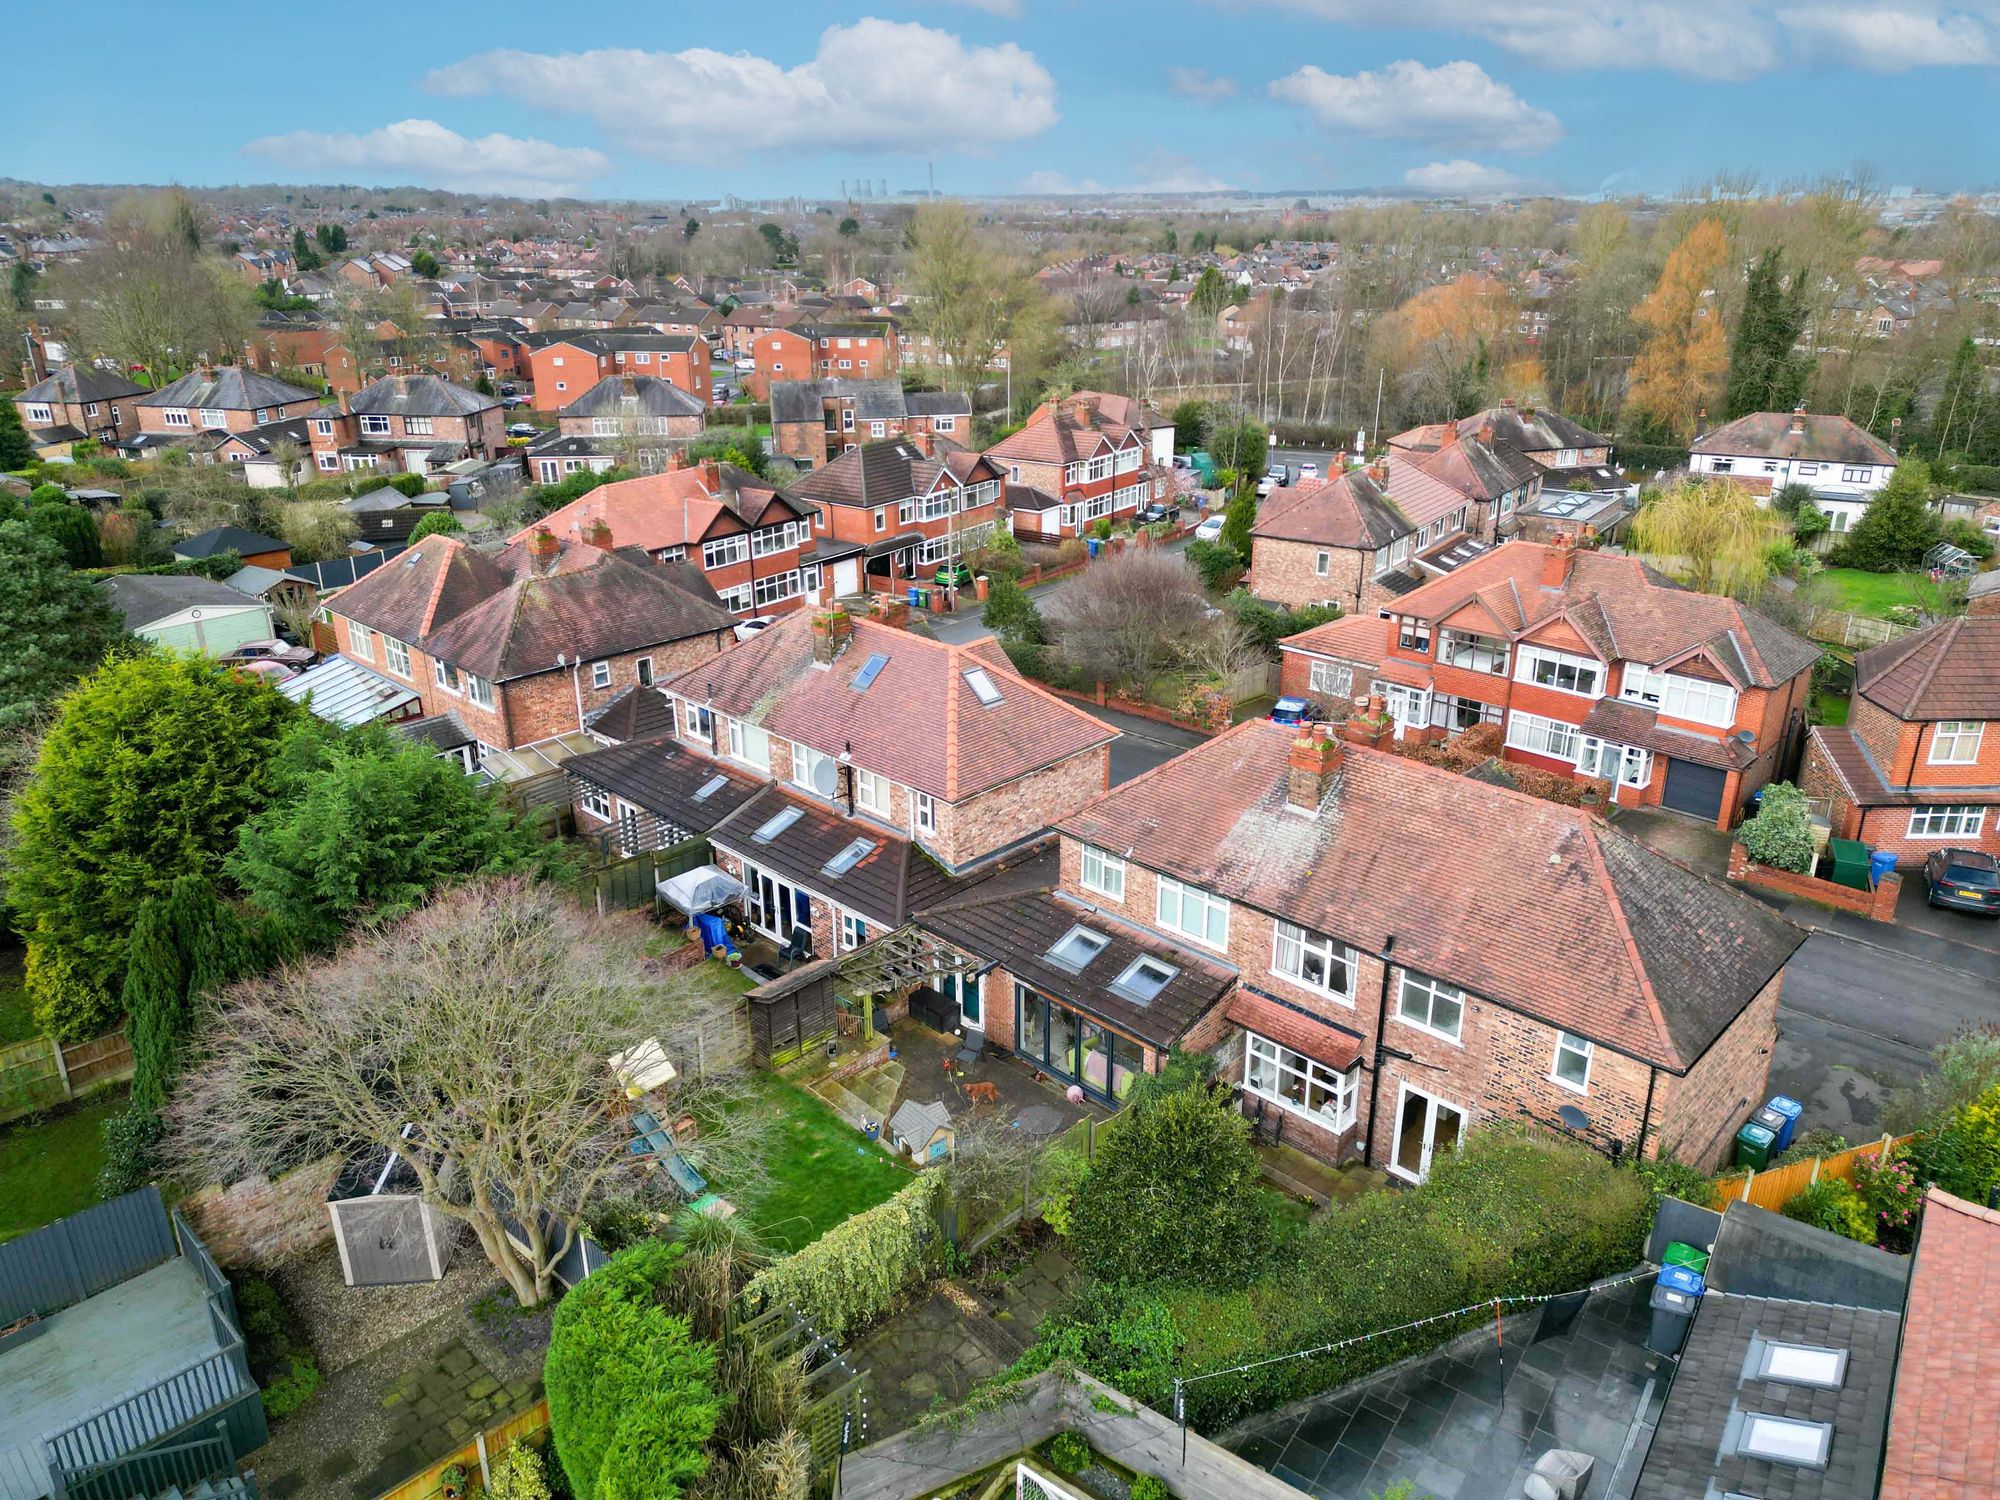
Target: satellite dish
{"x": 825, "y": 777}
{"x": 1573, "y": 1117}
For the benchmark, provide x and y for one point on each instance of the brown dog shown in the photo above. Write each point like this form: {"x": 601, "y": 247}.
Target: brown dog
{"x": 983, "y": 1093}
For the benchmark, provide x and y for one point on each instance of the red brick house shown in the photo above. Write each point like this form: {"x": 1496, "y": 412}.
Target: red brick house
{"x": 809, "y": 351}
{"x": 909, "y": 504}
{"x": 222, "y": 398}
{"x": 522, "y": 646}
{"x": 1496, "y": 481}
{"x": 1360, "y": 538}
{"x": 79, "y": 404}
{"x": 1591, "y": 664}
{"x": 813, "y": 420}
{"x": 565, "y": 365}
{"x": 1917, "y": 765}
{"x": 407, "y": 424}
{"x": 1377, "y": 985}
{"x": 752, "y": 542}
{"x": 624, "y": 421}
{"x": 1075, "y": 465}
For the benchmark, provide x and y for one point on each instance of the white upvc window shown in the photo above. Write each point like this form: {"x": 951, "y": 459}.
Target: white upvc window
{"x": 396, "y": 656}
{"x": 749, "y": 744}
{"x": 600, "y": 674}
{"x": 1103, "y": 873}
{"x": 212, "y": 417}
{"x": 1628, "y": 765}
{"x": 1333, "y": 678}
{"x": 596, "y": 801}
{"x": 447, "y": 676}
{"x": 1947, "y": 821}
{"x": 1955, "y": 742}
{"x": 1322, "y": 564}
{"x": 806, "y": 760}
{"x": 1313, "y": 961}
{"x": 1193, "y": 912}
{"x": 696, "y": 722}
{"x": 374, "y": 426}
{"x": 479, "y": 690}
{"x": 777, "y": 587}
{"x": 853, "y": 931}
{"x": 1540, "y": 736}
{"x": 1475, "y": 653}
{"x": 736, "y": 599}
{"x": 360, "y": 640}
{"x": 1692, "y": 698}
{"x": 1571, "y": 1067}
{"x": 174, "y": 416}
{"x": 722, "y": 551}
{"x": 419, "y": 426}
{"x": 42, "y": 416}
{"x": 1431, "y": 1005}
{"x": 871, "y": 792}
{"x": 1295, "y": 1082}
{"x": 1564, "y": 671}
{"x": 923, "y": 812}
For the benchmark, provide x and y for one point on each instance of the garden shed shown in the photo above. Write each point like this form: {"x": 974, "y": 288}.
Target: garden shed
{"x": 792, "y": 1012}
{"x": 384, "y": 1231}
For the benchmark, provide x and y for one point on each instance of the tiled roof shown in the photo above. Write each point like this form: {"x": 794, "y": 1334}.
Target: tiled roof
{"x": 1640, "y": 615}
{"x": 1476, "y": 470}
{"x": 885, "y": 885}
{"x": 1817, "y": 438}
{"x": 1944, "y": 1439}
{"x": 1065, "y": 434}
{"x": 84, "y": 383}
{"x": 1542, "y": 910}
{"x": 1867, "y": 785}
{"x": 919, "y": 722}
{"x": 874, "y": 400}
{"x": 1528, "y": 430}
{"x": 638, "y": 713}
{"x": 1947, "y": 671}
{"x": 220, "y": 539}
{"x": 227, "y": 388}
{"x": 673, "y": 508}
{"x": 1636, "y": 724}
{"x": 883, "y": 473}
{"x": 1351, "y": 638}
{"x": 1315, "y": 1036}
{"x": 663, "y": 778}
{"x": 1346, "y": 510}
{"x": 419, "y": 396}
{"x": 636, "y": 396}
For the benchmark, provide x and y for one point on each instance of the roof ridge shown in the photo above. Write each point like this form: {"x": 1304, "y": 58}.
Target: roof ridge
{"x": 1617, "y": 909}
{"x": 1942, "y": 642}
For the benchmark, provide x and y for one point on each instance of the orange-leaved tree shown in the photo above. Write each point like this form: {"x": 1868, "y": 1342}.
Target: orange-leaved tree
{"x": 1680, "y": 370}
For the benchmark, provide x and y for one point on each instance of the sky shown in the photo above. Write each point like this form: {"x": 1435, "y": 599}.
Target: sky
{"x": 677, "y": 100}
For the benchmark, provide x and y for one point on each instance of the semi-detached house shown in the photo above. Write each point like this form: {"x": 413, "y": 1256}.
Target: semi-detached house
{"x": 897, "y": 510}
{"x": 848, "y": 772}
{"x": 1592, "y": 665}
{"x": 1843, "y": 464}
{"x": 1311, "y": 913}
{"x": 1072, "y": 464}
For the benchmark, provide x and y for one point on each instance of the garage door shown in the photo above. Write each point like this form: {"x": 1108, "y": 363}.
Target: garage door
{"x": 1694, "y": 789}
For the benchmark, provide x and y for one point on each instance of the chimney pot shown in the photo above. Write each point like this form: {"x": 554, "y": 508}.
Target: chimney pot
{"x": 1378, "y": 470}
{"x": 1312, "y": 767}
{"x": 542, "y": 544}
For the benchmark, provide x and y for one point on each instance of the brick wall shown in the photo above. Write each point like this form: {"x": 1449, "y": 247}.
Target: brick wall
{"x": 260, "y": 1222}
{"x": 1012, "y": 812}
{"x": 1889, "y": 828}
{"x": 1878, "y": 905}
{"x": 1285, "y": 573}
{"x": 1697, "y": 1116}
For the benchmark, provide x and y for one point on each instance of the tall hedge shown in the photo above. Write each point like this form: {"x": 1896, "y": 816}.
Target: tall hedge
{"x": 632, "y": 1401}
{"x": 850, "y": 1275}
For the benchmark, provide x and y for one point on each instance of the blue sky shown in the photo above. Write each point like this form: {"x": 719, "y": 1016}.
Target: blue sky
{"x": 790, "y": 96}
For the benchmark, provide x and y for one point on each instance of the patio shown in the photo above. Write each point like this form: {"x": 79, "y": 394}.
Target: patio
{"x": 931, "y": 1070}
{"x": 1459, "y": 1426}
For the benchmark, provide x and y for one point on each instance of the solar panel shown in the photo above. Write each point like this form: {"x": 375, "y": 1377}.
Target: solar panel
{"x": 778, "y": 824}
{"x": 710, "y": 787}
{"x": 870, "y": 670}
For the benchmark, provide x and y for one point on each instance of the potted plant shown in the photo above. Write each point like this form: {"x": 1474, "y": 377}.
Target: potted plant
{"x": 451, "y": 1483}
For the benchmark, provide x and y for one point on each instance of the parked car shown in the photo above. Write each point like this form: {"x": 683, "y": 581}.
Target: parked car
{"x": 1210, "y": 530}
{"x": 1275, "y": 478}
{"x": 508, "y": 403}
{"x": 747, "y": 628}
{"x": 283, "y": 652}
{"x": 1308, "y": 471}
{"x": 510, "y": 390}
{"x": 1964, "y": 880}
{"x": 522, "y": 429}
{"x": 1290, "y": 710}
{"x": 1159, "y": 510}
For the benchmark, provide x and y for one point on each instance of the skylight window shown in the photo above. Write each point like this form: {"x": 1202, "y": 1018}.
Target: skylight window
{"x": 1143, "y": 979}
{"x": 710, "y": 787}
{"x": 778, "y": 824}
{"x": 1786, "y": 1440}
{"x": 1804, "y": 1364}
{"x": 870, "y": 670}
{"x": 1076, "y": 948}
{"x": 848, "y": 858}
{"x": 982, "y": 686}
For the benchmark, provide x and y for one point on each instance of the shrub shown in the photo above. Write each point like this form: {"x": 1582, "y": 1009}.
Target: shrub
{"x": 1669, "y": 1177}
{"x": 1962, "y": 533}
{"x": 1011, "y": 613}
{"x": 1062, "y": 1173}
{"x": 1216, "y": 564}
{"x": 130, "y": 1138}
{"x": 281, "y": 1358}
{"x": 1887, "y": 1187}
{"x": 1961, "y": 1070}
{"x": 631, "y": 1403}
{"x": 1811, "y": 1143}
{"x": 1962, "y": 1155}
{"x": 1779, "y": 835}
{"x": 1171, "y": 1193}
{"x": 408, "y": 484}
{"x": 517, "y": 1474}
{"x": 850, "y": 1275}
{"x": 1101, "y": 528}
{"x": 69, "y": 1003}
{"x": 1833, "y": 1205}
{"x": 1070, "y": 1452}
{"x": 1151, "y": 1487}
{"x": 443, "y": 523}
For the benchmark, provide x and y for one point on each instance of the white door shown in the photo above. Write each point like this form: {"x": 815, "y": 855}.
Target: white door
{"x": 1425, "y": 1125}
{"x": 846, "y": 577}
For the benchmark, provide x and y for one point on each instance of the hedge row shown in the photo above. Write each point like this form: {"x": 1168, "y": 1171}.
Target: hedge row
{"x": 854, "y": 1272}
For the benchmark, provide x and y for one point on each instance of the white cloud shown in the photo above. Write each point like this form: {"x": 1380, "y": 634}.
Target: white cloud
{"x": 1060, "y": 185}
{"x": 873, "y": 86}
{"x": 1199, "y": 83}
{"x": 1468, "y": 177}
{"x": 1888, "y": 41}
{"x": 423, "y": 153}
{"x": 1455, "y": 104}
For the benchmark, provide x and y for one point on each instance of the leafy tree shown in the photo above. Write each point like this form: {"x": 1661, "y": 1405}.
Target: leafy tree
{"x": 70, "y": 528}
{"x": 742, "y": 449}
{"x": 1238, "y": 519}
{"x": 332, "y": 238}
{"x": 970, "y": 300}
{"x": 632, "y": 1401}
{"x": 1709, "y": 534}
{"x": 424, "y": 264}
{"x": 16, "y": 451}
{"x": 305, "y": 254}
{"x": 1172, "y": 1195}
{"x": 56, "y": 625}
{"x": 1211, "y": 293}
{"x": 1765, "y": 371}
{"x": 1898, "y": 527}
{"x": 690, "y": 229}
{"x": 1680, "y": 369}
{"x": 849, "y": 228}
{"x": 1010, "y": 613}
{"x": 1243, "y": 445}
{"x": 316, "y": 528}
{"x": 151, "y": 766}
{"x": 442, "y": 523}
{"x": 365, "y": 824}
{"x": 485, "y": 388}
{"x": 1191, "y": 419}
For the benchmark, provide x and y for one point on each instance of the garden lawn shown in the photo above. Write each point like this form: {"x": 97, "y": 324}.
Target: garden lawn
{"x": 1832, "y": 707}
{"x": 716, "y": 978}
{"x": 49, "y": 1164}
{"x": 1872, "y": 594}
{"x": 17, "y": 1016}
{"x": 818, "y": 1169}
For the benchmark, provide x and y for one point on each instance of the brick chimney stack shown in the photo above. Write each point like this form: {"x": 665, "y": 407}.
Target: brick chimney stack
{"x": 1369, "y": 724}
{"x": 1797, "y": 426}
{"x": 1378, "y": 469}
{"x": 711, "y": 476}
{"x": 542, "y": 545}
{"x": 1556, "y": 559}
{"x": 597, "y": 533}
{"x": 1312, "y": 768}
{"x": 832, "y": 630}
{"x": 1450, "y": 439}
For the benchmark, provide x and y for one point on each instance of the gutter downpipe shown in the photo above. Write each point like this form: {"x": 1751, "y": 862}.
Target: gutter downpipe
{"x": 1375, "y": 1069}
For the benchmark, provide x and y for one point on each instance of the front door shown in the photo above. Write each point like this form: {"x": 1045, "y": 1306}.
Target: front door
{"x": 963, "y": 991}
{"x": 1425, "y": 1125}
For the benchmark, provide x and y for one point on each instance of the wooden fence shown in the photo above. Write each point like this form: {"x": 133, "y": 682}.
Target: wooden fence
{"x": 632, "y": 882}
{"x": 1846, "y": 629}
{"x": 41, "y": 1073}
{"x": 1774, "y": 1187}
{"x": 475, "y": 1455}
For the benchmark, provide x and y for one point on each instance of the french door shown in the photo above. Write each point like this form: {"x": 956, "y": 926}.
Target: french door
{"x": 1425, "y": 1125}
{"x": 963, "y": 991}
{"x": 776, "y": 906}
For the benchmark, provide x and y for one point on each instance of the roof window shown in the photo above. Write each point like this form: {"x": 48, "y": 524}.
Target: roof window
{"x": 1143, "y": 979}
{"x": 778, "y": 824}
{"x": 710, "y": 787}
{"x": 982, "y": 686}
{"x": 1785, "y": 1440}
{"x": 848, "y": 858}
{"x": 870, "y": 670}
{"x": 1803, "y": 1364}
{"x": 1076, "y": 948}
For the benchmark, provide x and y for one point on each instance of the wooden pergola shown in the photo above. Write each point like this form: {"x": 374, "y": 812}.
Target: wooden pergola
{"x": 800, "y": 1009}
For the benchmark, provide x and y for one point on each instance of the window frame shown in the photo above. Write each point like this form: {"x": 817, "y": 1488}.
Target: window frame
{"x": 738, "y": 741}
{"x": 1343, "y": 1087}
{"x": 1572, "y": 1044}
{"x": 1957, "y": 732}
{"x": 923, "y": 813}
{"x": 1110, "y": 877}
{"x": 1209, "y": 903}
{"x": 1529, "y": 658}
{"x": 1337, "y": 672}
{"x": 1938, "y": 813}
{"x": 595, "y": 801}
{"x": 1435, "y": 989}
{"x": 1307, "y": 943}
{"x": 863, "y": 779}
{"x": 600, "y": 675}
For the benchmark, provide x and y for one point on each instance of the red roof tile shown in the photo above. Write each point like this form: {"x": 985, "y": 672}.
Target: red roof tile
{"x": 1949, "y": 671}
{"x": 1320, "y": 1040}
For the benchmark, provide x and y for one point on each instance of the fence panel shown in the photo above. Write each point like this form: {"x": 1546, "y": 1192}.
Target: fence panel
{"x": 1774, "y": 1187}
{"x": 62, "y": 1263}
{"x": 39, "y": 1074}
{"x": 426, "y": 1483}
{"x": 91, "y": 1064}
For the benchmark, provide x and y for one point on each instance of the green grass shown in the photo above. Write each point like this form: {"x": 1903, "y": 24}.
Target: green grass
{"x": 17, "y": 1016}
{"x": 1289, "y": 1215}
{"x": 716, "y": 978}
{"x": 1872, "y": 594}
{"x": 818, "y": 1169}
{"x": 1832, "y": 707}
{"x": 49, "y": 1164}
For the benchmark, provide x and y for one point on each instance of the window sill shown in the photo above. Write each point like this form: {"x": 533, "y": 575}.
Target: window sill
{"x": 1430, "y": 1031}
{"x": 1310, "y": 1116}
{"x": 1305, "y": 987}
{"x": 1581, "y": 1090}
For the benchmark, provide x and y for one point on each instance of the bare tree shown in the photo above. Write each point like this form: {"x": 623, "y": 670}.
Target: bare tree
{"x": 481, "y": 1025}
{"x": 1126, "y": 619}
{"x": 1225, "y": 649}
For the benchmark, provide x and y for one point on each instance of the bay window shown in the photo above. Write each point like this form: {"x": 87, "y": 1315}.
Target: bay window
{"x": 1313, "y": 961}
{"x": 725, "y": 550}
{"x": 1540, "y": 736}
{"x": 1295, "y": 1082}
{"x": 1431, "y": 1005}
{"x": 1626, "y": 765}
{"x": 1193, "y": 912}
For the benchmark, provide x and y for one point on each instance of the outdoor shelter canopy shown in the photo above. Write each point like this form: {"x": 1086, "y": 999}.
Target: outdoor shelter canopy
{"x": 701, "y": 889}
